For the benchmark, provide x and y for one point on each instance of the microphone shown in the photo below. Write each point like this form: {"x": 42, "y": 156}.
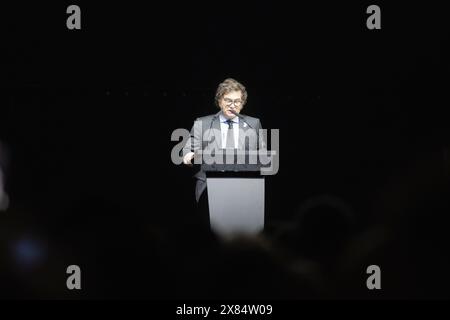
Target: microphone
{"x": 240, "y": 117}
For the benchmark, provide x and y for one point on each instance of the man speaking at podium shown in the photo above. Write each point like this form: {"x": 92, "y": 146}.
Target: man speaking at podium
{"x": 228, "y": 129}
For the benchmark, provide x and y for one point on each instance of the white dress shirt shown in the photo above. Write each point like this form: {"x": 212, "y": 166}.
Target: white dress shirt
{"x": 224, "y": 130}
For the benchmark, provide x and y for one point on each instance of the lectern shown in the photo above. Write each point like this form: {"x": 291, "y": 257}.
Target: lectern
{"x": 235, "y": 197}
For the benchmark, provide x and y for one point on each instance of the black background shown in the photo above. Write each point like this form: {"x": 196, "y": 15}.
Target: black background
{"x": 87, "y": 117}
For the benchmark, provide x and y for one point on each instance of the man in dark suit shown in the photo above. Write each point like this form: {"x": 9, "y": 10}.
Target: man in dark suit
{"x": 225, "y": 130}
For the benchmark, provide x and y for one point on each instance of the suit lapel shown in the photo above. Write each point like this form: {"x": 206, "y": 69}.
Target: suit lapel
{"x": 217, "y": 132}
{"x": 243, "y": 127}
{"x": 241, "y": 135}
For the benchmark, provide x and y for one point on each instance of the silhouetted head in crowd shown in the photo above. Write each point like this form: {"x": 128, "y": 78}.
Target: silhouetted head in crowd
{"x": 319, "y": 229}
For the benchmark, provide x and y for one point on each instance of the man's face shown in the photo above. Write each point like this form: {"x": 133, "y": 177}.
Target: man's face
{"x": 231, "y": 101}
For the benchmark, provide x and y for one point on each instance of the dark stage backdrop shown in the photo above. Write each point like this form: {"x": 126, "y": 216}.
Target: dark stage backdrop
{"x": 86, "y": 119}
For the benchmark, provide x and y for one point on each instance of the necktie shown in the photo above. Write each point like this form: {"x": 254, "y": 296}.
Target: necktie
{"x": 230, "y": 135}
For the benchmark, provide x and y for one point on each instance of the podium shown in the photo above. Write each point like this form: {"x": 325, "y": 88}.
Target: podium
{"x": 235, "y": 198}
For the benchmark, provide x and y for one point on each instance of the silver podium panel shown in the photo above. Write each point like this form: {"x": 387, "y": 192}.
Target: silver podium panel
{"x": 236, "y": 205}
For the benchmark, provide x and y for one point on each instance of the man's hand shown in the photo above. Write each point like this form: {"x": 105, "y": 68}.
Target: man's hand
{"x": 187, "y": 160}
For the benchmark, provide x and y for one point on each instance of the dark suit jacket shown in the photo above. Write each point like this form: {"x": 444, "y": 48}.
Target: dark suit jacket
{"x": 206, "y": 135}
